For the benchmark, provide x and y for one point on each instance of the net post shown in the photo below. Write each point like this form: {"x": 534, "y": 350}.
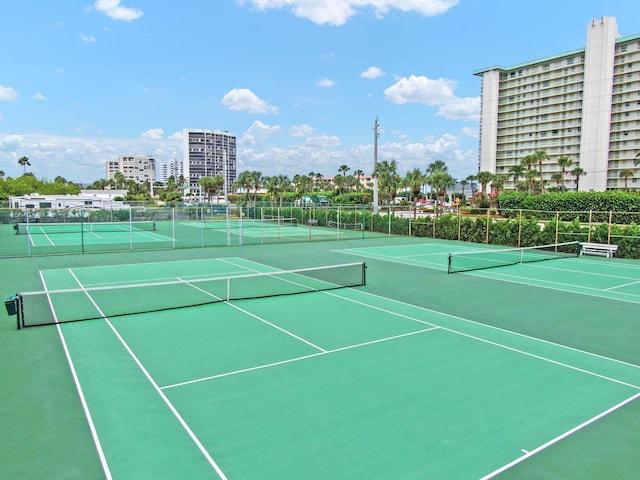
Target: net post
{"x": 364, "y": 273}
{"x": 449, "y": 264}
{"x": 20, "y": 312}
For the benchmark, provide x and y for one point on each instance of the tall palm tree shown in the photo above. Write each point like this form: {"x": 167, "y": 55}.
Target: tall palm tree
{"x": 415, "y": 180}
{"x": 1, "y": 173}
{"x": 256, "y": 183}
{"x": 120, "y": 179}
{"x": 564, "y": 162}
{"x": 532, "y": 179}
{"x": 358, "y": 173}
{"x": 211, "y": 185}
{"x": 464, "y": 182}
{"x": 626, "y": 173}
{"x": 24, "y": 161}
{"x": 440, "y": 181}
{"x": 344, "y": 169}
{"x": 540, "y": 156}
{"x": 471, "y": 179}
{"x": 388, "y": 178}
{"x": 558, "y": 178}
{"x": 577, "y": 173}
{"x": 483, "y": 179}
{"x": 527, "y": 161}
{"x": 517, "y": 171}
{"x": 438, "y": 166}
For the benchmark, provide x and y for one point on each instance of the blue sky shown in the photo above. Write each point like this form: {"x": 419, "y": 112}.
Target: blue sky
{"x": 299, "y": 82}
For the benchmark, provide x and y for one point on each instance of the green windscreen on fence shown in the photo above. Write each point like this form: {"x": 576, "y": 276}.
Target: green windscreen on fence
{"x": 481, "y": 259}
{"x": 72, "y": 305}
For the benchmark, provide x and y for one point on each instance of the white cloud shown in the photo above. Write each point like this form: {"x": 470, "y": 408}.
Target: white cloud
{"x": 325, "y": 82}
{"x": 470, "y": 132}
{"x": 176, "y": 136}
{"x": 244, "y": 100}
{"x": 87, "y": 38}
{"x": 440, "y": 93}
{"x": 38, "y": 96}
{"x": 113, "y": 9}
{"x": 153, "y": 133}
{"x": 301, "y": 130}
{"x": 372, "y": 72}
{"x": 337, "y": 12}
{"x": 8, "y": 94}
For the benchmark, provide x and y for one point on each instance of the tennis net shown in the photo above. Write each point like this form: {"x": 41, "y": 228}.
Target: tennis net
{"x": 79, "y": 227}
{"x": 345, "y": 226}
{"x": 481, "y": 259}
{"x": 74, "y": 305}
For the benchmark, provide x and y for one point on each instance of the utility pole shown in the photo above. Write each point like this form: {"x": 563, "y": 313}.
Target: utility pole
{"x": 375, "y": 163}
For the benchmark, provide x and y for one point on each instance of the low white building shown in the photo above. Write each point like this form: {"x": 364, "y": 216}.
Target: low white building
{"x": 87, "y": 199}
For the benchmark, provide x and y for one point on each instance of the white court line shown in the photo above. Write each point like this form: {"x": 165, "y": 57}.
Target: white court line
{"x": 160, "y": 262}
{"x": 559, "y": 437}
{"x": 297, "y": 359}
{"x": 175, "y": 412}
{"x": 76, "y": 381}
{"x": 255, "y": 316}
{"x": 622, "y": 286}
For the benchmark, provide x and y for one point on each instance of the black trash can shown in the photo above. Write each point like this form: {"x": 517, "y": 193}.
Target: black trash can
{"x": 11, "y": 304}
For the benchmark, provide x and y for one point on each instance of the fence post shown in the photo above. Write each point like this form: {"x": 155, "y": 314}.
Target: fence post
{"x": 557, "y": 225}
{"x": 487, "y": 234}
{"x": 519, "y": 227}
{"x": 589, "y": 232}
{"x": 609, "y": 232}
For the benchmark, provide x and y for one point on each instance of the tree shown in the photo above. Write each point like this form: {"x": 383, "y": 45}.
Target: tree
{"x": 464, "y": 182}
{"x": 120, "y": 179}
{"x": 471, "y": 179}
{"x": 540, "y": 156}
{"x": 24, "y": 161}
{"x": 626, "y": 174}
{"x": 498, "y": 183}
{"x": 517, "y": 171}
{"x": 357, "y": 174}
{"x": 532, "y": 179}
{"x": 558, "y": 178}
{"x": 388, "y": 179}
{"x": 527, "y": 161}
{"x": 415, "y": 180}
{"x": 211, "y": 185}
{"x": 344, "y": 169}
{"x": 440, "y": 181}
{"x": 577, "y": 173}
{"x": 483, "y": 179}
{"x": 564, "y": 162}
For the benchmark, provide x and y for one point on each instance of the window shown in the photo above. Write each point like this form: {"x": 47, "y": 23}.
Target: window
{"x": 570, "y": 61}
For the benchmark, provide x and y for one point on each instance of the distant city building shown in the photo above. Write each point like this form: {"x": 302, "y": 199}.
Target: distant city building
{"x": 173, "y": 168}
{"x": 140, "y": 168}
{"x": 583, "y": 104}
{"x": 208, "y": 153}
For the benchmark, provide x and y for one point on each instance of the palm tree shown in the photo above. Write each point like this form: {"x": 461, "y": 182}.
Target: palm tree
{"x": 344, "y": 169}
{"x": 577, "y": 173}
{"x": 1, "y": 173}
{"x": 532, "y": 179}
{"x": 440, "y": 181}
{"x": 471, "y": 179}
{"x": 211, "y": 185}
{"x": 120, "y": 179}
{"x": 414, "y": 179}
{"x": 498, "y": 183}
{"x": 564, "y": 162}
{"x": 244, "y": 181}
{"x": 357, "y": 174}
{"x": 626, "y": 173}
{"x": 540, "y": 156}
{"x": 256, "y": 183}
{"x": 388, "y": 178}
{"x": 517, "y": 171}
{"x": 527, "y": 161}
{"x": 24, "y": 161}
{"x": 484, "y": 178}
{"x": 464, "y": 182}
{"x": 557, "y": 177}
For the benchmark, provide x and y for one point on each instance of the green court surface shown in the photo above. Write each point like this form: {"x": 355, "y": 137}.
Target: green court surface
{"x": 523, "y": 371}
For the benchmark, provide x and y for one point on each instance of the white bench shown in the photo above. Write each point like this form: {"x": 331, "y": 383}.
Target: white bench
{"x": 602, "y": 249}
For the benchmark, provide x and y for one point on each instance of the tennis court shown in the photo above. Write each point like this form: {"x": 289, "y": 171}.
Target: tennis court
{"x": 401, "y": 377}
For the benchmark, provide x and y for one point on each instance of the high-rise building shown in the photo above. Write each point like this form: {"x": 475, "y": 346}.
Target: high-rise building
{"x": 172, "y": 168}
{"x": 582, "y": 104}
{"x": 140, "y": 168}
{"x": 208, "y": 153}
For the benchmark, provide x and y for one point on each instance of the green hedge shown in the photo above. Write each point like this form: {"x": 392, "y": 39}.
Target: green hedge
{"x": 574, "y": 205}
